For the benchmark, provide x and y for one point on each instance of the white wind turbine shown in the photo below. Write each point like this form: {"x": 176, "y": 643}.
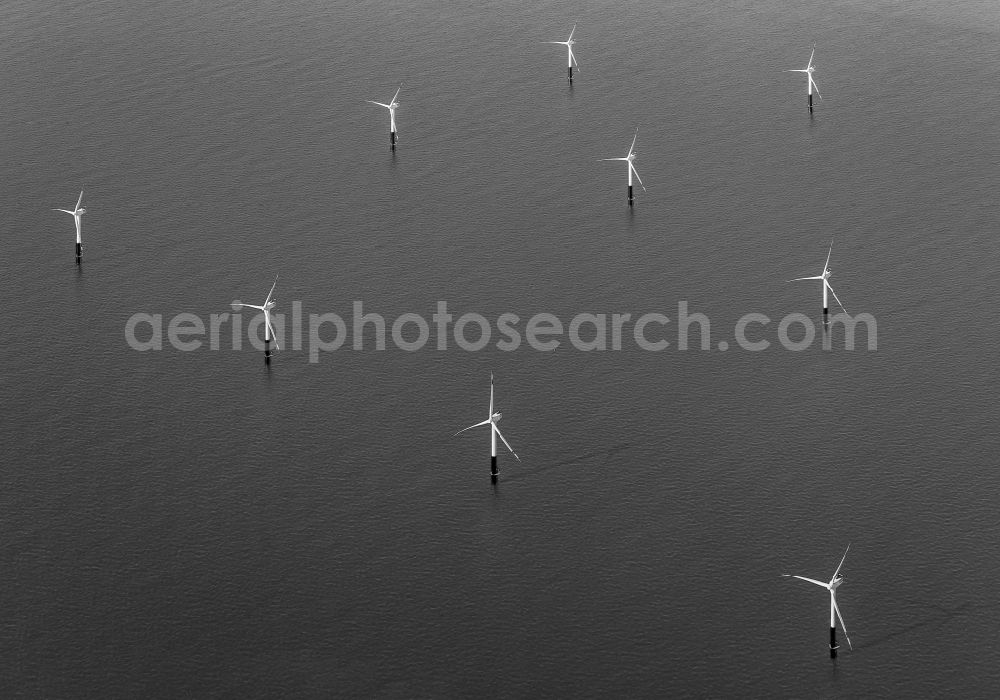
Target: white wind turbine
{"x": 570, "y": 58}
{"x": 392, "y": 115}
{"x": 826, "y": 284}
{"x": 492, "y": 421}
{"x": 268, "y": 328}
{"x": 631, "y": 168}
{"x": 808, "y": 70}
{"x": 834, "y": 610}
{"x": 77, "y": 212}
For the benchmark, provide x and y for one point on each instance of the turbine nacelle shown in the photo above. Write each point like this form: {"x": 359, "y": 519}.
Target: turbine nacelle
{"x": 837, "y": 580}
{"x": 495, "y": 418}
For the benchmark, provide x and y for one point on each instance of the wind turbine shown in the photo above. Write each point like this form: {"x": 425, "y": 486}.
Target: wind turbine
{"x": 834, "y": 610}
{"x": 77, "y": 212}
{"x": 392, "y": 116}
{"x": 492, "y": 421}
{"x": 570, "y": 58}
{"x": 631, "y": 168}
{"x": 808, "y": 70}
{"x": 268, "y": 328}
{"x": 826, "y": 284}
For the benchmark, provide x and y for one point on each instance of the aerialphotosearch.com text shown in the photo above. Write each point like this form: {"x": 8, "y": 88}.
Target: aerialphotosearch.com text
{"x": 543, "y": 332}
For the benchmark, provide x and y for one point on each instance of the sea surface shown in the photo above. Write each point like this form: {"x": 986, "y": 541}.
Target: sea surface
{"x": 195, "y": 524}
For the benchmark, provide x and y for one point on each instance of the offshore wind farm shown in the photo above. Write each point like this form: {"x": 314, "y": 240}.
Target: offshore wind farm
{"x": 180, "y": 518}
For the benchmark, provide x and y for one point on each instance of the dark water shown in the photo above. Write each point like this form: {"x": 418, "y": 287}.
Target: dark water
{"x": 189, "y": 524}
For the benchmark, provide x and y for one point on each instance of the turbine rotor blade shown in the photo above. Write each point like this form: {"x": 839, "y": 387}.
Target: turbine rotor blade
{"x": 632, "y": 147}
{"x": 272, "y": 290}
{"x": 506, "y": 443}
{"x": 816, "y": 87}
{"x": 811, "y": 57}
{"x": 397, "y": 93}
{"x": 274, "y": 336}
{"x": 571, "y": 34}
{"x": 845, "y": 311}
{"x": 842, "y": 558}
{"x": 636, "y": 173}
{"x": 473, "y": 426}
{"x": 841, "y": 618}
{"x": 799, "y": 279}
{"x": 810, "y": 580}
{"x": 79, "y": 200}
